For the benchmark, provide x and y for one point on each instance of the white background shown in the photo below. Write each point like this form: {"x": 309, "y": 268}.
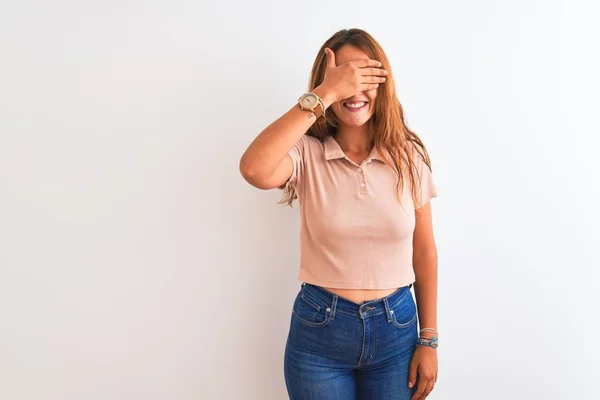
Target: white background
{"x": 135, "y": 262}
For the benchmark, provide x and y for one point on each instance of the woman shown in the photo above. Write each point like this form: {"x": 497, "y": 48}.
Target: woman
{"x": 363, "y": 181}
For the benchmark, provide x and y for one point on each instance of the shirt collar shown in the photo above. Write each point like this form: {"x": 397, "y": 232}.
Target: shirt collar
{"x": 333, "y": 150}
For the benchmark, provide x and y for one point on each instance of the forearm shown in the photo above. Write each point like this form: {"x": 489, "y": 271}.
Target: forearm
{"x": 425, "y": 267}
{"x": 270, "y": 147}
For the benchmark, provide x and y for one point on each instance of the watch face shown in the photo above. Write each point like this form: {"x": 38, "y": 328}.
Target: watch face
{"x": 308, "y": 100}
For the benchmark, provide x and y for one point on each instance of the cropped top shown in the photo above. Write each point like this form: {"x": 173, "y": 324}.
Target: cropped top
{"x": 354, "y": 233}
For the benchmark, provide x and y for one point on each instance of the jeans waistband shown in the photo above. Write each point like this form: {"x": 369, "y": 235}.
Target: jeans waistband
{"x": 327, "y": 299}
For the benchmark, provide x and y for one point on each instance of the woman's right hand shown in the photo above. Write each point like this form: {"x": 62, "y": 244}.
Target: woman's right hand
{"x": 346, "y": 80}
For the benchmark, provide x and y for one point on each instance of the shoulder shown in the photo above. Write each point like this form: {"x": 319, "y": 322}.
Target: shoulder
{"x": 419, "y": 155}
{"x": 310, "y": 146}
{"x": 312, "y": 141}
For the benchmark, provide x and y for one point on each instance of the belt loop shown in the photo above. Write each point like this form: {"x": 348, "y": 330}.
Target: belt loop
{"x": 333, "y": 306}
{"x": 387, "y": 309}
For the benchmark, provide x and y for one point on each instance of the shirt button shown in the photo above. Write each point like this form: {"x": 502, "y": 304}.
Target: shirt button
{"x": 359, "y": 170}
{"x": 362, "y": 185}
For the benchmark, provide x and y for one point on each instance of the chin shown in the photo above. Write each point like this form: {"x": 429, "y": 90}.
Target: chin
{"x": 355, "y": 122}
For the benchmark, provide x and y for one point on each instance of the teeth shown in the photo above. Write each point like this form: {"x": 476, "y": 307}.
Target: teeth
{"x": 355, "y": 105}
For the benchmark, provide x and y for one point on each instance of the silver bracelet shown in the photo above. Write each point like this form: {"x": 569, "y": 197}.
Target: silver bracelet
{"x": 429, "y": 329}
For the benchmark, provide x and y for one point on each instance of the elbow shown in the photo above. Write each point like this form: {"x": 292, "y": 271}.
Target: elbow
{"x": 246, "y": 170}
{"x": 425, "y": 258}
{"x": 250, "y": 175}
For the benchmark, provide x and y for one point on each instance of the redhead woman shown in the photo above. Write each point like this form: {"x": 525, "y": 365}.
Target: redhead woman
{"x": 363, "y": 181}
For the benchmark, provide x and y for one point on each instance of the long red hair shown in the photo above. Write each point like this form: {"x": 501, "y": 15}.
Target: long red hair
{"x": 388, "y": 122}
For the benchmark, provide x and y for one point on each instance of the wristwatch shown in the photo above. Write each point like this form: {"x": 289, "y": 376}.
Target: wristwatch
{"x": 313, "y": 103}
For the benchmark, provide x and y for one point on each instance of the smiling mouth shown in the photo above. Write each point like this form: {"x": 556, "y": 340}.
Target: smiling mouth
{"x": 354, "y": 105}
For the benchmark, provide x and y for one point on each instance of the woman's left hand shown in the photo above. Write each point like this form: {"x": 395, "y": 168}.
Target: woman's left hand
{"x": 424, "y": 361}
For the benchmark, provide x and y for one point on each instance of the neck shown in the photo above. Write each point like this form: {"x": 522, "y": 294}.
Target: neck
{"x": 355, "y": 139}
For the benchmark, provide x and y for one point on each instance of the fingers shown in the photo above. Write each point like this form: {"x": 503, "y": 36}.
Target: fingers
{"x": 373, "y": 79}
{"x": 373, "y": 71}
{"x": 421, "y": 387}
{"x": 367, "y": 62}
{"x": 412, "y": 375}
{"x": 429, "y": 389}
{"x": 425, "y": 383}
{"x": 368, "y": 86}
{"x": 330, "y": 58}
{"x": 423, "y": 390}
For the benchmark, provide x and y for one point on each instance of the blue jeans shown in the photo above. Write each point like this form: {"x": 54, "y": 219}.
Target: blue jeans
{"x": 340, "y": 350}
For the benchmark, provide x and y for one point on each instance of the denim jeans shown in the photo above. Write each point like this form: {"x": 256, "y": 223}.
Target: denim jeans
{"x": 340, "y": 350}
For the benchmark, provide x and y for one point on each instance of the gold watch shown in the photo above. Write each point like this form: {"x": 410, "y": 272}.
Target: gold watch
{"x": 313, "y": 103}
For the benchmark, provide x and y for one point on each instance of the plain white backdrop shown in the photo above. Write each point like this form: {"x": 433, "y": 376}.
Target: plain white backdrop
{"x": 137, "y": 264}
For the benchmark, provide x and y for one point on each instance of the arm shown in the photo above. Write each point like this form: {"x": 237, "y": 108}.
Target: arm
{"x": 425, "y": 266}
{"x": 266, "y": 164}
{"x": 424, "y": 361}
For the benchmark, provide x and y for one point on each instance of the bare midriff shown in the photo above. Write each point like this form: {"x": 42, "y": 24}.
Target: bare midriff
{"x": 359, "y": 295}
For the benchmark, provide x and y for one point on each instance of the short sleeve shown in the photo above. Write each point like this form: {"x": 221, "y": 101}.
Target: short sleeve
{"x": 297, "y": 153}
{"x": 426, "y": 189}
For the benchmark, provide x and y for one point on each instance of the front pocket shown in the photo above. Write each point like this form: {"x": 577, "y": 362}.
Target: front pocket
{"x": 404, "y": 313}
{"x": 403, "y": 324}
{"x": 310, "y": 313}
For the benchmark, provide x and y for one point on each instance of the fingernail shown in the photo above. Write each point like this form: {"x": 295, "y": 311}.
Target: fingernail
{"x": 409, "y": 384}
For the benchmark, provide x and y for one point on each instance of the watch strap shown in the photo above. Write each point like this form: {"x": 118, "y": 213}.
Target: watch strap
{"x": 318, "y": 110}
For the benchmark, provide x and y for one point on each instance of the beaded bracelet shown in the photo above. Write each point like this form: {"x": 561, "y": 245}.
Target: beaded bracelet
{"x": 433, "y": 342}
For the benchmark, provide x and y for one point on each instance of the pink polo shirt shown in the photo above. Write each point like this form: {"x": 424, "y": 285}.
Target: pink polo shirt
{"x": 354, "y": 233}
